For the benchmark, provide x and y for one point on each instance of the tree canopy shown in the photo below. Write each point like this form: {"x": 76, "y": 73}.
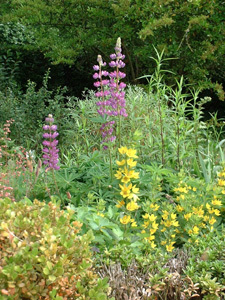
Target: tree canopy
{"x": 73, "y": 32}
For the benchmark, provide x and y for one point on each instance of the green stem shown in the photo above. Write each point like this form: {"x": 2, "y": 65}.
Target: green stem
{"x": 161, "y": 134}
{"x": 110, "y": 164}
{"x": 119, "y": 131}
{"x": 56, "y": 186}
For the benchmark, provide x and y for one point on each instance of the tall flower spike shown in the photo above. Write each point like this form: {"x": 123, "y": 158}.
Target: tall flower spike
{"x": 116, "y": 87}
{"x": 111, "y": 91}
{"x": 50, "y": 155}
{"x": 103, "y": 105}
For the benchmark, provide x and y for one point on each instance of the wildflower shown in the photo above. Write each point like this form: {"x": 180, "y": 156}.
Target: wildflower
{"x": 221, "y": 174}
{"x": 111, "y": 91}
{"x": 150, "y": 238}
{"x": 100, "y": 214}
{"x": 155, "y": 207}
{"x": 118, "y": 174}
{"x": 221, "y": 182}
{"x": 152, "y": 218}
{"x": 173, "y": 216}
{"x": 146, "y": 224}
{"x": 203, "y": 225}
{"x": 170, "y": 247}
{"x": 50, "y": 150}
{"x": 175, "y": 223}
{"x": 125, "y": 220}
{"x": 125, "y": 179}
{"x": 131, "y": 163}
{"x": 125, "y": 190}
{"x": 198, "y": 211}
{"x": 179, "y": 208}
{"x": 153, "y": 245}
{"x": 122, "y": 150}
{"x": 155, "y": 225}
{"x": 195, "y": 230}
{"x": 181, "y": 190}
{"x": 206, "y": 218}
{"x": 135, "y": 189}
{"x": 120, "y": 204}
{"x": 187, "y": 216}
{"x": 133, "y": 224}
{"x": 165, "y": 215}
{"x": 146, "y": 216}
{"x": 209, "y": 208}
{"x": 117, "y": 98}
{"x": 152, "y": 231}
{"x": 216, "y": 212}
{"x": 212, "y": 221}
{"x": 168, "y": 223}
{"x": 133, "y": 174}
{"x": 131, "y": 206}
{"x": 121, "y": 163}
{"x": 133, "y": 195}
{"x": 131, "y": 153}
{"x": 216, "y": 202}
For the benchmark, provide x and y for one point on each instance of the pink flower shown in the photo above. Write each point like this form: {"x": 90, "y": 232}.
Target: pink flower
{"x": 50, "y": 151}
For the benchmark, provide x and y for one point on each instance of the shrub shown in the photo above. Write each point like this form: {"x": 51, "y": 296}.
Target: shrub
{"x": 42, "y": 256}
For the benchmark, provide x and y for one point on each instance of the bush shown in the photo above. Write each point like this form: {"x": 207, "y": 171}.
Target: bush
{"x": 42, "y": 256}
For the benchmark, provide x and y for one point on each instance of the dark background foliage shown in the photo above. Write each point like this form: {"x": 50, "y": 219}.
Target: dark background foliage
{"x": 67, "y": 36}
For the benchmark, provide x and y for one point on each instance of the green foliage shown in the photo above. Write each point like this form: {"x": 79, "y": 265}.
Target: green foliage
{"x": 155, "y": 204}
{"x": 29, "y": 109}
{"x": 42, "y": 256}
{"x": 73, "y": 32}
{"x": 206, "y": 263}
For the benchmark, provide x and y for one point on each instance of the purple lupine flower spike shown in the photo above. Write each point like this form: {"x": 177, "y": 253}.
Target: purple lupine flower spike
{"x": 50, "y": 150}
{"x": 110, "y": 91}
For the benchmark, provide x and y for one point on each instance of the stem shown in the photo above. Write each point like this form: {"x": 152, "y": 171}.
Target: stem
{"x": 161, "y": 134}
{"x": 119, "y": 134}
{"x": 110, "y": 164}
{"x": 56, "y": 186}
{"x": 178, "y": 145}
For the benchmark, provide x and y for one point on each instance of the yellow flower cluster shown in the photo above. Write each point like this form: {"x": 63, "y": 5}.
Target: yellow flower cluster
{"x": 221, "y": 181}
{"x": 150, "y": 227}
{"x": 128, "y": 190}
{"x": 170, "y": 223}
{"x": 196, "y": 209}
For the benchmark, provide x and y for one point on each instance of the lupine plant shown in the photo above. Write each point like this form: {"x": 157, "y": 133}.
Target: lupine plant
{"x": 111, "y": 92}
{"x": 50, "y": 151}
{"x": 50, "y": 155}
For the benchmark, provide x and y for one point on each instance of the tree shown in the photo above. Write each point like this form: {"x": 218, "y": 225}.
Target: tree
{"x": 74, "y": 31}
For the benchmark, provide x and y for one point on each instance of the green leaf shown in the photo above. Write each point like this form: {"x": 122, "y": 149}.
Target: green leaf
{"x": 52, "y": 278}
{"x": 110, "y": 212}
{"x": 49, "y": 265}
{"x": 46, "y": 271}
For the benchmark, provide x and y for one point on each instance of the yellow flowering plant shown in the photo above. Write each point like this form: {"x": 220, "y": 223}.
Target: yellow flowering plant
{"x": 199, "y": 207}
{"x": 128, "y": 190}
{"x": 193, "y": 208}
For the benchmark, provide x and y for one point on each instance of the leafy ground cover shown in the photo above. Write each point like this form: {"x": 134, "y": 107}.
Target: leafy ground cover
{"x": 141, "y": 171}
